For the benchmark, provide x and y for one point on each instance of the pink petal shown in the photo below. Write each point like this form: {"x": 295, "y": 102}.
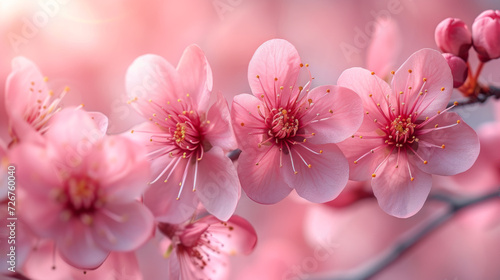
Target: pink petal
{"x": 78, "y": 248}
{"x": 151, "y": 77}
{"x": 246, "y": 119}
{"x": 196, "y": 76}
{"x": 263, "y": 183}
{"x": 218, "y": 186}
{"x": 122, "y": 227}
{"x": 161, "y": 197}
{"x": 237, "y": 234}
{"x": 359, "y": 150}
{"x": 47, "y": 210}
{"x": 73, "y": 132}
{"x": 121, "y": 167}
{"x": 220, "y": 132}
{"x": 324, "y": 180}
{"x": 384, "y": 48}
{"x": 25, "y": 85}
{"x": 397, "y": 195}
{"x": 365, "y": 84}
{"x": 100, "y": 120}
{"x": 461, "y": 146}
{"x": 431, "y": 65}
{"x": 275, "y": 58}
{"x": 341, "y": 107}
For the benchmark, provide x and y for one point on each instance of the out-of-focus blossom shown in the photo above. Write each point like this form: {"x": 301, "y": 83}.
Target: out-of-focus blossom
{"x": 385, "y": 48}
{"x": 186, "y": 138}
{"x": 486, "y": 35}
{"x": 287, "y": 133}
{"x": 459, "y": 69}
{"x": 43, "y": 263}
{"x": 199, "y": 250}
{"x": 453, "y": 36}
{"x": 407, "y": 135}
{"x": 29, "y": 102}
{"x": 81, "y": 189}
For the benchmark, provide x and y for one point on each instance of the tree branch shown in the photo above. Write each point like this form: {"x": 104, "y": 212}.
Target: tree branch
{"x": 484, "y": 94}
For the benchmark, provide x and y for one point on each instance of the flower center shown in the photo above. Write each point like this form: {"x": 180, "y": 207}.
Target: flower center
{"x": 401, "y": 131}
{"x": 81, "y": 197}
{"x": 283, "y": 125}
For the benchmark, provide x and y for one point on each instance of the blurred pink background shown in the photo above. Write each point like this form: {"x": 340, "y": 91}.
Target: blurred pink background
{"x": 88, "y": 45}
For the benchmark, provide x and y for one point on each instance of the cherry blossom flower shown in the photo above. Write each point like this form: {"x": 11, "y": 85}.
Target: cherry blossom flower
{"x": 186, "y": 138}
{"x": 81, "y": 187}
{"x": 287, "y": 133}
{"x": 30, "y": 102}
{"x": 199, "y": 250}
{"x": 407, "y": 133}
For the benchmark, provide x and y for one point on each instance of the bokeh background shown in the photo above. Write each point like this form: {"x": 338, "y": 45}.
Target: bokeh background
{"x": 88, "y": 45}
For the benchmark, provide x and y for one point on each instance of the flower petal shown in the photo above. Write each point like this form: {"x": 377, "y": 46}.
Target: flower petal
{"x": 384, "y": 48}
{"x": 324, "y": 179}
{"x": 237, "y": 235}
{"x": 122, "y": 227}
{"x": 373, "y": 91}
{"x": 151, "y": 77}
{"x": 263, "y": 182}
{"x": 396, "y": 193}
{"x": 461, "y": 146}
{"x": 247, "y": 122}
{"x": 101, "y": 121}
{"x": 276, "y": 63}
{"x": 335, "y": 113}
{"x": 78, "y": 248}
{"x": 121, "y": 167}
{"x": 428, "y": 65}
{"x": 220, "y": 133}
{"x": 196, "y": 76}
{"x": 359, "y": 150}
{"x": 161, "y": 197}
{"x": 218, "y": 186}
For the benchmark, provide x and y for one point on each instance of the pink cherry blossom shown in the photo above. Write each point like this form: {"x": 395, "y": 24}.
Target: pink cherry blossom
{"x": 186, "y": 138}
{"x": 453, "y": 36}
{"x": 30, "y": 102}
{"x": 407, "y": 133}
{"x": 81, "y": 189}
{"x": 287, "y": 133}
{"x": 44, "y": 264}
{"x": 486, "y": 35}
{"x": 199, "y": 250}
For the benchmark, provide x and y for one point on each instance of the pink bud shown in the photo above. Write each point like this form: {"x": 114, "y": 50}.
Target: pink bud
{"x": 486, "y": 35}
{"x": 459, "y": 69}
{"x": 453, "y": 36}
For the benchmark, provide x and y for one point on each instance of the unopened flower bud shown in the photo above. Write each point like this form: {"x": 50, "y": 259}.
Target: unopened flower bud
{"x": 453, "y": 36}
{"x": 486, "y": 35}
{"x": 458, "y": 67}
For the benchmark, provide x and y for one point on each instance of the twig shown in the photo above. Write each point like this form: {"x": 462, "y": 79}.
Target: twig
{"x": 484, "y": 94}
{"x": 386, "y": 259}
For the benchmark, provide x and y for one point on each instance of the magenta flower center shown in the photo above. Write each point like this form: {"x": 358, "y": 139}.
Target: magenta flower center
{"x": 282, "y": 125}
{"x": 401, "y": 131}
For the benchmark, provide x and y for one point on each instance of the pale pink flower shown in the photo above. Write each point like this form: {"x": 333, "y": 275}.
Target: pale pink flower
{"x": 43, "y": 263}
{"x": 186, "y": 138}
{"x": 407, "y": 133}
{"x": 30, "y": 102}
{"x": 199, "y": 250}
{"x": 287, "y": 133}
{"x": 81, "y": 189}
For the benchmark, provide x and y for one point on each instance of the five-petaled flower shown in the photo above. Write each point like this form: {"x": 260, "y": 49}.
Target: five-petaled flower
{"x": 287, "y": 133}
{"x": 80, "y": 188}
{"x": 199, "y": 249}
{"x": 407, "y": 133}
{"x": 186, "y": 139}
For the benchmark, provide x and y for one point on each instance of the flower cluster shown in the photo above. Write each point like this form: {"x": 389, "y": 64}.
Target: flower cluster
{"x": 170, "y": 185}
